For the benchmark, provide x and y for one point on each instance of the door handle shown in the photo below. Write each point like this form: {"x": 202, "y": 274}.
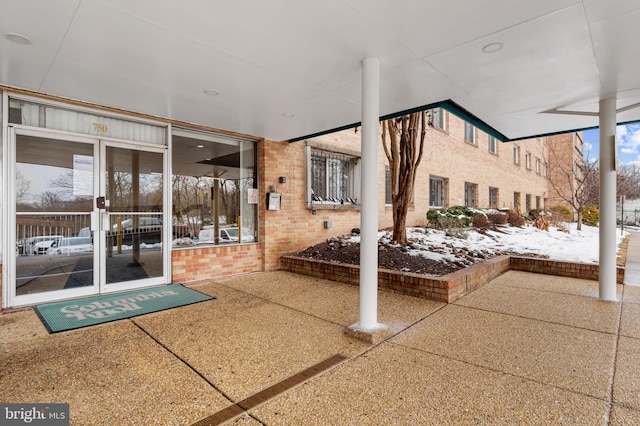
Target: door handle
{"x": 104, "y": 221}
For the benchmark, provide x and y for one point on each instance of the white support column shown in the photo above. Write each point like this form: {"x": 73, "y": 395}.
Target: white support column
{"x": 368, "y": 328}
{"x": 607, "y": 199}
{"x": 369, "y": 195}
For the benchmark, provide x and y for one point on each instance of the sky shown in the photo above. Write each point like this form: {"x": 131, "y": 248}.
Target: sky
{"x": 628, "y": 143}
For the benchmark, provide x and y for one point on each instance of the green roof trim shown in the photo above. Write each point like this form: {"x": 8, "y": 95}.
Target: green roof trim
{"x": 454, "y": 109}
{"x": 448, "y": 105}
{"x": 465, "y": 115}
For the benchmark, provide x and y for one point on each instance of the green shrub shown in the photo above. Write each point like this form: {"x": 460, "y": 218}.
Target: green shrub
{"x": 451, "y": 217}
{"x": 460, "y": 233}
{"x": 590, "y": 216}
{"x": 450, "y": 222}
{"x": 534, "y": 214}
{"x": 561, "y": 214}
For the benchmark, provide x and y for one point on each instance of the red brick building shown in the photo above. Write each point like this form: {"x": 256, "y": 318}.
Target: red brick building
{"x": 461, "y": 166}
{"x": 182, "y": 203}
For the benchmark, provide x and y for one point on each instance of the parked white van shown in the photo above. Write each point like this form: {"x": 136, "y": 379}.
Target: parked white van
{"x": 67, "y": 246}
{"x": 227, "y": 235}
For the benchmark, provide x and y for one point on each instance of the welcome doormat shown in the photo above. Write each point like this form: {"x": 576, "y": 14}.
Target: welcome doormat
{"x": 71, "y": 314}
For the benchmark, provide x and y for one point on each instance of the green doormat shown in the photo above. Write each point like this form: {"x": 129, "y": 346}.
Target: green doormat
{"x": 79, "y": 313}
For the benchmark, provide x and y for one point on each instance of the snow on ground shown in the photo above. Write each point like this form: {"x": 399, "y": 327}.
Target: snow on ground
{"x": 557, "y": 244}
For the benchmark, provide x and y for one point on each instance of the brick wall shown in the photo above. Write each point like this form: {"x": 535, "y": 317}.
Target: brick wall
{"x": 447, "y": 288}
{"x": 563, "y": 157}
{"x": 294, "y": 227}
{"x": 214, "y": 262}
{"x": 446, "y": 155}
{"x": 449, "y": 156}
{"x": 586, "y": 271}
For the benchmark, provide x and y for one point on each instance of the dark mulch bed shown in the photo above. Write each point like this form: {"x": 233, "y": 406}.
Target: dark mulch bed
{"x": 389, "y": 257}
{"x": 395, "y": 257}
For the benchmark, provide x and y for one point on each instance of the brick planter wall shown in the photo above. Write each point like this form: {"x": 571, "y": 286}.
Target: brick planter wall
{"x": 447, "y": 288}
{"x": 587, "y": 271}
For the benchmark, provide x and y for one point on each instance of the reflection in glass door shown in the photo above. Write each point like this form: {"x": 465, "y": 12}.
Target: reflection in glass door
{"x": 132, "y": 220}
{"x": 54, "y": 187}
{"x": 88, "y": 217}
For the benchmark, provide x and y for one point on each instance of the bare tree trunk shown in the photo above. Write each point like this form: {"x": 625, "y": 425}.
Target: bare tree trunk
{"x": 579, "y": 227}
{"x": 404, "y": 156}
{"x": 400, "y": 222}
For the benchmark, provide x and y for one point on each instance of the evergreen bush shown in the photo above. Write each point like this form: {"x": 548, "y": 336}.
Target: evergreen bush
{"x": 590, "y": 216}
{"x": 451, "y": 217}
{"x": 561, "y": 214}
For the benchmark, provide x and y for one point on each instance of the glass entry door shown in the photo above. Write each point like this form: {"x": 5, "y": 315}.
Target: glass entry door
{"x": 53, "y": 206}
{"x": 88, "y": 217}
{"x": 133, "y": 237}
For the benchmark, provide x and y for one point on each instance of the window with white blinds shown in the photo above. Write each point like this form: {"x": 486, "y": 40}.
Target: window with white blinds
{"x": 68, "y": 120}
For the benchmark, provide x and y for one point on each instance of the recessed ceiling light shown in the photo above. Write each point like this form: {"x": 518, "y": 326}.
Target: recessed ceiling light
{"x": 492, "y": 47}
{"x": 288, "y": 115}
{"x": 211, "y": 92}
{"x": 17, "y": 38}
{"x": 199, "y": 146}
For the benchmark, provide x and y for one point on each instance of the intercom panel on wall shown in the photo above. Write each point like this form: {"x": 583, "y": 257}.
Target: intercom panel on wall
{"x": 274, "y": 200}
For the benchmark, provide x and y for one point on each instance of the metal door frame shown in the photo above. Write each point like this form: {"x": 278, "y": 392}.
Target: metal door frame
{"x": 166, "y": 230}
{"x": 9, "y": 297}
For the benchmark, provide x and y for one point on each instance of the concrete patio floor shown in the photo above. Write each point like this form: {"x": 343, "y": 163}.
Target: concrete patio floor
{"x": 524, "y": 349}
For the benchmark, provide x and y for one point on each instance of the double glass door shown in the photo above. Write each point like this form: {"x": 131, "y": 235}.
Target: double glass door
{"x": 88, "y": 216}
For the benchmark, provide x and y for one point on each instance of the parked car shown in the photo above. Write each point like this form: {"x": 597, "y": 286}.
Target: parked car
{"x": 85, "y": 232}
{"x": 67, "y": 246}
{"x": 39, "y": 244}
{"x": 149, "y": 229}
{"x": 226, "y": 235}
{"x": 152, "y": 224}
{"x": 230, "y": 235}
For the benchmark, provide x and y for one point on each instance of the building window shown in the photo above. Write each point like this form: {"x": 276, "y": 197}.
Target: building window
{"x": 516, "y": 154}
{"x": 516, "y": 201}
{"x": 469, "y": 133}
{"x": 215, "y": 186}
{"x": 538, "y": 166}
{"x": 438, "y": 118}
{"x": 493, "y": 197}
{"x": 493, "y": 146}
{"x": 527, "y": 202}
{"x": 333, "y": 178}
{"x": 544, "y": 169}
{"x": 387, "y": 186}
{"x": 538, "y": 206}
{"x": 68, "y": 120}
{"x": 527, "y": 160}
{"x": 470, "y": 191}
{"x": 437, "y": 187}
